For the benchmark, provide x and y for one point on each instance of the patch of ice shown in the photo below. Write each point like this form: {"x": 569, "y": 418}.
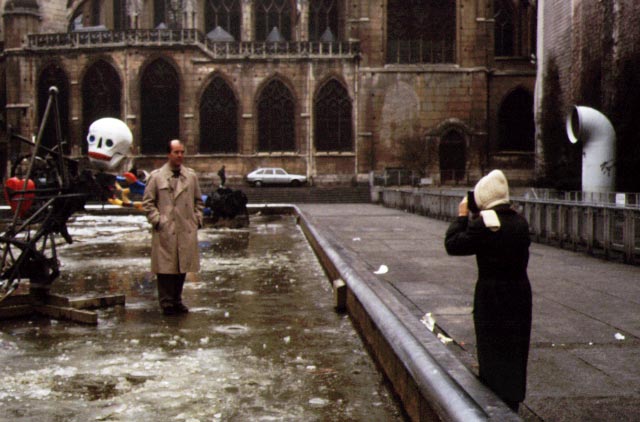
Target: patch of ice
{"x": 67, "y": 372}
{"x": 39, "y": 393}
{"x": 317, "y": 401}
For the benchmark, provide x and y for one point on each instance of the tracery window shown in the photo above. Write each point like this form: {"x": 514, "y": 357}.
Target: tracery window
{"x": 323, "y": 17}
{"x": 276, "y": 118}
{"x": 218, "y": 118}
{"x": 225, "y": 14}
{"x": 270, "y": 14}
{"x": 101, "y": 95}
{"x": 159, "y": 100}
{"x": 90, "y": 14}
{"x": 168, "y": 13}
{"x": 54, "y": 75}
{"x": 514, "y": 28}
{"x": 332, "y": 118}
{"x": 516, "y": 129}
{"x": 421, "y": 31}
{"x": 87, "y": 14}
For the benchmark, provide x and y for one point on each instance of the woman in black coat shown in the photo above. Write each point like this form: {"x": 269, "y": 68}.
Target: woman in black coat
{"x": 499, "y": 237}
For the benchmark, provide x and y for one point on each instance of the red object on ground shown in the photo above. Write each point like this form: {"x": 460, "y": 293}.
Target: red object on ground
{"x": 22, "y": 200}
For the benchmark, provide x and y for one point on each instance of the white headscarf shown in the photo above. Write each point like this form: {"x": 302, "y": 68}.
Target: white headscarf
{"x": 490, "y": 191}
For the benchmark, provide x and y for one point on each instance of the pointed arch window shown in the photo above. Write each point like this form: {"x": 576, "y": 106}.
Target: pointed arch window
{"x": 54, "y": 75}
{"x": 272, "y": 14}
{"x": 159, "y": 100}
{"x": 87, "y": 14}
{"x": 504, "y": 29}
{"x": 421, "y": 31}
{"x": 514, "y": 28}
{"x": 332, "y": 118}
{"x": 90, "y": 13}
{"x": 323, "y": 17}
{"x": 225, "y": 14}
{"x": 452, "y": 157}
{"x": 101, "y": 95}
{"x": 516, "y": 128}
{"x": 276, "y": 118}
{"x": 218, "y": 119}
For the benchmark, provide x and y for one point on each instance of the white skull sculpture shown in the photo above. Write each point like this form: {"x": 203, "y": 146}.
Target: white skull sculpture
{"x": 109, "y": 142}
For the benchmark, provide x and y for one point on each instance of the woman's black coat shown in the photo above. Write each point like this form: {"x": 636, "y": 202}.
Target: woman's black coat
{"x": 502, "y": 300}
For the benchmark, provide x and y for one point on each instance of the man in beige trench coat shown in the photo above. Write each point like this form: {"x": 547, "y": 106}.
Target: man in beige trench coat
{"x": 173, "y": 203}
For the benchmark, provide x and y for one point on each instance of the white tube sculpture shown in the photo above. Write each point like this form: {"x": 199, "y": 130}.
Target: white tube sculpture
{"x": 598, "y": 147}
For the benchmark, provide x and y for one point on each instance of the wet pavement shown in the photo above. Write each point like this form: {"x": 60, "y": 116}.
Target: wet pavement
{"x": 585, "y": 345}
{"x": 262, "y": 341}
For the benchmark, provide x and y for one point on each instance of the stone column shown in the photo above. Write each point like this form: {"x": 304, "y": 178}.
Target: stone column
{"x": 190, "y": 14}
{"x": 247, "y": 32}
{"x": 134, "y": 10}
{"x": 302, "y": 21}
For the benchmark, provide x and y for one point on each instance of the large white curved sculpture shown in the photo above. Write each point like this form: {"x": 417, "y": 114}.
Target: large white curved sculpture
{"x": 598, "y": 138}
{"x": 109, "y": 142}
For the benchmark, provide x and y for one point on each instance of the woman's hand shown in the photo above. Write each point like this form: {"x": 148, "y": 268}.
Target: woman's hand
{"x": 463, "y": 209}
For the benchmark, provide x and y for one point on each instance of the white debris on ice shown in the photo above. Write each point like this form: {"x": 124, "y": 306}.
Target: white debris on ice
{"x": 382, "y": 270}
{"x": 428, "y": 321}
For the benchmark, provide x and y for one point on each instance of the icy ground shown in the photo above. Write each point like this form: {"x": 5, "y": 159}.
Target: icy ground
{"x": 261, "y": 343}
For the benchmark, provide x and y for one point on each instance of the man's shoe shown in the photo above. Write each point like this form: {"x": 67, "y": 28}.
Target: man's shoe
{"x": 181, "y": 309}
{"x": 169, "y": 310}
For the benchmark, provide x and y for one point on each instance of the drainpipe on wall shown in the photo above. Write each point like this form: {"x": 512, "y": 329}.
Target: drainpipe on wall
{"x": 311, "y": 168}
{"x": 598, "y": 147}
{"x": 355, "y": 116}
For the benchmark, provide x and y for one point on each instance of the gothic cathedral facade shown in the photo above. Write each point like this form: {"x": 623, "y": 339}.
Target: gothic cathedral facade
{"x": 334, "y": 89}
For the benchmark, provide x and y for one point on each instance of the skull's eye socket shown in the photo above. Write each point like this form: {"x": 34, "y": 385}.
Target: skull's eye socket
{"x": 109, "y": 143}
{"x": 91, "y": 139}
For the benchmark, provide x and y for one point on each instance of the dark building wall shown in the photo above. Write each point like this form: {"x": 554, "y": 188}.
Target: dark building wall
{"x": 391, "y": 102}
{"x": 589, "y": 50}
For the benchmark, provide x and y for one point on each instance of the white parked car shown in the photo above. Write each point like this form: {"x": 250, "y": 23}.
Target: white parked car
{"x": 274, "y": 176}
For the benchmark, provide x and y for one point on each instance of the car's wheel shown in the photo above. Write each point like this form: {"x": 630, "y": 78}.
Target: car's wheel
{"x": 257, "y": 183}
{"x": 295, "y": 183}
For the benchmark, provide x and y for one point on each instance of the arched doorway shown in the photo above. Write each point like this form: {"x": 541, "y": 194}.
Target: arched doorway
{"x": 452, "y": 157}
{"x": 516, "y": 127}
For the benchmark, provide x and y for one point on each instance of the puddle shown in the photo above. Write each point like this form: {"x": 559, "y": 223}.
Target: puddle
{"x": 261, "y": 343}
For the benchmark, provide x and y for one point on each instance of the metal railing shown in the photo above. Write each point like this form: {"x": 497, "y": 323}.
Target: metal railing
{"x": 169, "y": 37}
{"x": 609, "y": 230}
{"x": 395, "y": 177}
